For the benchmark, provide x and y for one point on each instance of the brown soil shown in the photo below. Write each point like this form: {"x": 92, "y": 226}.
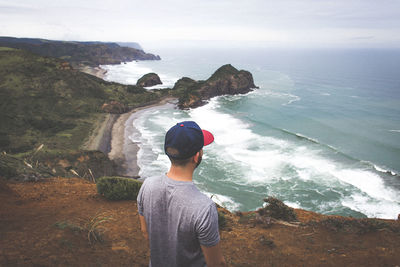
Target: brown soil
{"x": 43, "y": 224}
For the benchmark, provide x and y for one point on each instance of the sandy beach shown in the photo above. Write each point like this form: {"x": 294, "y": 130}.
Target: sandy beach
{"x": 122, "y": 150}
{"x": 110, "y": 135}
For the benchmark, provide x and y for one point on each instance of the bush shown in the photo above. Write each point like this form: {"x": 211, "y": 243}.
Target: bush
{"x": 118, "y": 188}
{"x": 278, "y": 210}
{"x": 221, "y": 220}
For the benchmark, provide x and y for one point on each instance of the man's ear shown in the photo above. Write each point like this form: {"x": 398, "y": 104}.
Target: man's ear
{"x": 196, "y": 157}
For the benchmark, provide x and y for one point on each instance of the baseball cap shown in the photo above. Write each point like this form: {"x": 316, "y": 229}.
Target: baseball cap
{"x": 187, "y": 138}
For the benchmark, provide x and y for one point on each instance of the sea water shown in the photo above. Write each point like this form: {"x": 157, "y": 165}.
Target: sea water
{"x": 321, "y": 133}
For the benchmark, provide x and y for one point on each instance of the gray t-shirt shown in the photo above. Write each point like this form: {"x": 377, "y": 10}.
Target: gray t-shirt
{"x": 179, "y": 219}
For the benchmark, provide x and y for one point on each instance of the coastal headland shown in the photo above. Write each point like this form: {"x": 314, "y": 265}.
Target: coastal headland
{"x": 111, "y": 136}
{"x": 52, "y": 217}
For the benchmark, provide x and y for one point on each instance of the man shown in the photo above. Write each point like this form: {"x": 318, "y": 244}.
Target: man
{"x": 179, "y": 221}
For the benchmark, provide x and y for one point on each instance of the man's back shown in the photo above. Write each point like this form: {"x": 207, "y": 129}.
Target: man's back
{"x": 179, "y": 219}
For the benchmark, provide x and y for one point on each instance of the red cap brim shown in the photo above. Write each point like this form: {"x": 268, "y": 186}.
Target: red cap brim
{"x": 208, "y": 137}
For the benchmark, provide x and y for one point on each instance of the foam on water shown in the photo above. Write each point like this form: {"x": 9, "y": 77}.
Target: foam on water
{"x": 247, "y": 159}
{"x": 374, "y": 208}
{"x": 223, "y": 201}
{"x": 262, "y": 159}
{"x": 252, "y": 157}
{"x": 130, "y": 72}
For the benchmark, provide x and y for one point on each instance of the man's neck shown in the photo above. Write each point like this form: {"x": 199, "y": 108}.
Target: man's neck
{"x": 180, "y": 174}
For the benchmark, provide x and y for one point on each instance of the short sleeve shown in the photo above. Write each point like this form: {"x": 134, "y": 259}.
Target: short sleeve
{"x": 207, "y": 230}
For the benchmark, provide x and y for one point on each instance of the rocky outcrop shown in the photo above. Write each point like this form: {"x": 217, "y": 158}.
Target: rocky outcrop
{"x": 227, "y": 80}
{"x": 150, "y": 79}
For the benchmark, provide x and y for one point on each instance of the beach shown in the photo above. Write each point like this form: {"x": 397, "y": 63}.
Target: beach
{"x": 111, "y": 133}
{"x": 115, "y": 135}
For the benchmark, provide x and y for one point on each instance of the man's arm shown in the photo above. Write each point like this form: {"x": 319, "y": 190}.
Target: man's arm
{"x": 143, "y": 227}
{"x": 213, "y": 256}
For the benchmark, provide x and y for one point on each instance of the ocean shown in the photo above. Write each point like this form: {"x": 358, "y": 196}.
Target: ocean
{"x": 321, "y": 133}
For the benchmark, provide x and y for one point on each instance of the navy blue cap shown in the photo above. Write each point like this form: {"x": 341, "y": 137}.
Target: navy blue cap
{"x": 186, "y": 138}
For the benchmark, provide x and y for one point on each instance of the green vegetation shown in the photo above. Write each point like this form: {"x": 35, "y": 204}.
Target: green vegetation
{"x": 92, "y": 227}
{"x": 186, "y": 89}
{"x": 221, "y": 220}
{"x": 86, "y": 53}
{"x": 223, "y": 72}
{"x": 118, "y": 188}
{"x": 357, "y": 225}
{"x": 45, "y": 103}
{"x": 6, "y": 49}
{"x": 225, "y": 80}
{"x": 149, "y": 79}
{"x": 32, "y": 165}
{"x": 277, "y": 210}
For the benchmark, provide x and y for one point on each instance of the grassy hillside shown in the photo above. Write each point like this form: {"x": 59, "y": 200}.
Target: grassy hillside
{"x": 87, "y": 53}
{"x": 44, "y": 101}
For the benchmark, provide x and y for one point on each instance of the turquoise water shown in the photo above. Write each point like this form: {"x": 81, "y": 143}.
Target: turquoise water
{"x": 321, "y": 133}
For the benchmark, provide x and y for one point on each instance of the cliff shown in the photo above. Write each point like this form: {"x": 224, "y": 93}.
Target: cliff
{"x": 79, "y": 53}
{"x": 131, "y": 44}
{"x": 227, "y": 80}
{"x": 47, "y": 223}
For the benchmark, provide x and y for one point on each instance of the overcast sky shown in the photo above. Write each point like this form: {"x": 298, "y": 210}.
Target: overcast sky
{"x": 298, "y": 23}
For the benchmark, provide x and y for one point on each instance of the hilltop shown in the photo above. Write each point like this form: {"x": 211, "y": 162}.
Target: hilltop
{"x": 47, "y": 224}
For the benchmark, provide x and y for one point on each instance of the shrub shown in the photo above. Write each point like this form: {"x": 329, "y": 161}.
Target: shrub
{"x": 278, "y": 210}
{"x": 221, "y": 220}
{"x": 118, "y": 188}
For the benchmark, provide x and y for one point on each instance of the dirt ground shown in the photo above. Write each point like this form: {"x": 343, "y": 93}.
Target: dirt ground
{"x": 47, "y": 223}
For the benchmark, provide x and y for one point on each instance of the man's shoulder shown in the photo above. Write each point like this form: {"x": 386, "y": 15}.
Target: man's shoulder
{"x": 152, "y": 179}
{"x": 151, "y": 183}
{"x": 200, "y": 200}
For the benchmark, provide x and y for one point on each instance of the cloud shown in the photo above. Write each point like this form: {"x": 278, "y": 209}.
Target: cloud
{"x": 362, "y": 38}
{"x": 284, "y": 21}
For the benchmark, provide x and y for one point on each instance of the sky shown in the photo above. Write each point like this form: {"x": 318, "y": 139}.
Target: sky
{"x": 272, "y": 23}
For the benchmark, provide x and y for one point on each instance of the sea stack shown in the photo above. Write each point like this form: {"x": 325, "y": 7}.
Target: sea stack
{"x": 149, "y": 79}
{"x": 227, "y": 80}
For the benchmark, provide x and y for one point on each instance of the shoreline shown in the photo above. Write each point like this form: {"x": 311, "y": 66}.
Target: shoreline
{"x": 110, "y": 136}
{"x": 122, "y": 150}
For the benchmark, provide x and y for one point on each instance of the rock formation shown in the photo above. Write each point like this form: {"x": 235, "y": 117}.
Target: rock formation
{"x": 227, "y": 80}
{"x": 149, "y": 79}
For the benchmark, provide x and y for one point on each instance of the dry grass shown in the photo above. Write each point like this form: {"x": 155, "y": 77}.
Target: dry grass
{"x": 94, "y": 226}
